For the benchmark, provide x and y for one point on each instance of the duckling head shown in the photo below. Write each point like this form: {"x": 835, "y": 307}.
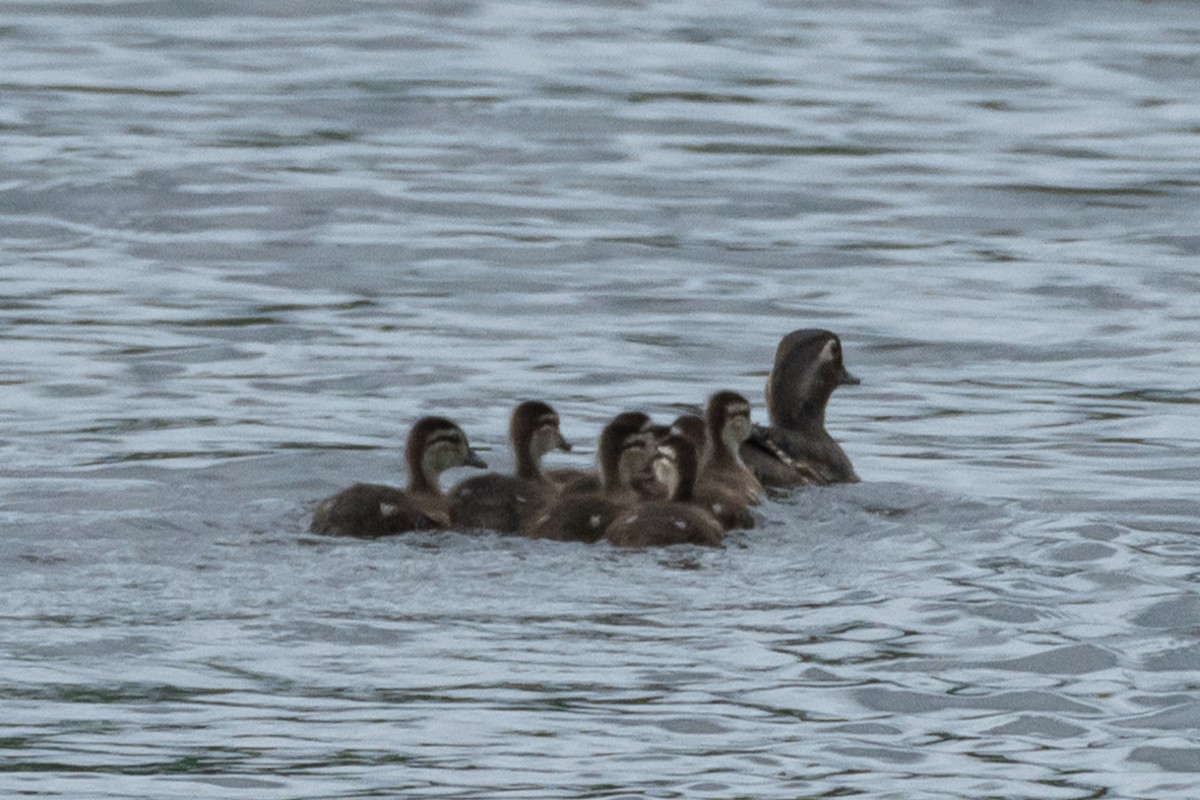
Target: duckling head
{"x": 675, "y": 464}
{"x": 728, "y": 419}
{"x": 436, "y": 444}
{"x": 623, "y": 449}
{"x": 532, "y": 432}
{"x": 808, "y": 367}
{"x": 537, "y": 423}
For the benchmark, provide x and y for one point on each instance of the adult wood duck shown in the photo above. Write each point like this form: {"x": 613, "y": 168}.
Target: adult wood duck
{"x": 675, "y": 521}
{"x": 503, "y": 503}
{"x": 370, "y": 510}
{"x": 796, "y": 449}
{"x": 726, "y": 486}
{"x": 582, "y": 513}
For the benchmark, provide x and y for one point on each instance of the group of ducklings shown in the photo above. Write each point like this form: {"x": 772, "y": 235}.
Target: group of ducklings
{"x": 687, "y": 482}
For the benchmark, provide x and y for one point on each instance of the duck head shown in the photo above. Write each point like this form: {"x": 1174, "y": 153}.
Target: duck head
{"x": 808, "y": 367}
{"x": 727, "y": 419}
{"x": 623, "y": 449}
{"x": 675, "y": 465}
{"x": 435, "y": 444}
{"x": 534, "y": 431}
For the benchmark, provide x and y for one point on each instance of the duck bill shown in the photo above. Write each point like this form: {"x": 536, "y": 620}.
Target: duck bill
{"x": 846, "y": 379}
{"x": 473, "y": 460}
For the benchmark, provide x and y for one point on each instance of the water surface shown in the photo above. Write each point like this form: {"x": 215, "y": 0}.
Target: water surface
{"x": 242, "y": 248}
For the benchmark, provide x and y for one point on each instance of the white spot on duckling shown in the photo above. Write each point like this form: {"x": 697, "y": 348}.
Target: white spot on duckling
{"x": 388, "y": 510}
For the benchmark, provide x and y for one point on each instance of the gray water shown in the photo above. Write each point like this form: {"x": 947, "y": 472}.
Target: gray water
{"x": 243, "y": 245}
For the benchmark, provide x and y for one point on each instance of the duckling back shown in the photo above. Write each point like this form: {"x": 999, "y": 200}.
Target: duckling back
{"x": 500, "y": 503}
{"x": 371, "y": 510}
{"x": 661, "y": 524}
{"x": 576, "y": 517}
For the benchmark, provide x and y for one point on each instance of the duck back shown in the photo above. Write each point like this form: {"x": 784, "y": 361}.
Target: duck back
{"x": 579, "y": 517}
{"x": 371, "y": 510}
{"x": 661, "y": 524}
{"x": 500, "y": 503}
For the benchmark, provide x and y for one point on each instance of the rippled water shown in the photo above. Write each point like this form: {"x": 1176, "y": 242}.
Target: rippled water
{"x": 243, "y": 245}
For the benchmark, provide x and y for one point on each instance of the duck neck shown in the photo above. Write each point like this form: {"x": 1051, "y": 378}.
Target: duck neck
{"x": 423, "y": 472}
{"x": 529, "y": 461}
{"x": 685, "y": 484}
{"x": 801, "y": 416}
{"x": 722, "y": 449}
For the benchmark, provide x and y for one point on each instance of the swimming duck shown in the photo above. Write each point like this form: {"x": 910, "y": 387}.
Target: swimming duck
{"x": 371, "y": 510}
{"x": 796, "y": 449}
{"x": 502, "y": 503}
{"x": 677, "y": 520}
{"x": 693, "y": 428}
{"x": 726, "y": 486}
{"x": 582, "y": 514}
{"x": 571, "y": 481}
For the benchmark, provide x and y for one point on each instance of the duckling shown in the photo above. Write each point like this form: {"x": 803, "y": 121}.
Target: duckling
{"x": 370, "y": 510}
{"x": 572, "y": 481}
{"x": 643, "y": 480}
{"x": 726, "y": 486}
{"x": 677, "y": 520}
{"x": 582, "y": 515}
{"x": 502, "y": 503}
{"x": 796, "y": 449}
{"x": 693, "y": 428}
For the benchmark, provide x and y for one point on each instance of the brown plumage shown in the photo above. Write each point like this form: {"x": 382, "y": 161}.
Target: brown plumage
{"x": 674, "y": 521}
{"x": 726, "y": 486}
{"x": 693, "y": 428}
{"x": 370, "y": 510}
{"x": 574, "y": 481}
{"x": 796, "y": 449}
{"x": 582, "y": 515}
{"x": 506, "y": 503}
